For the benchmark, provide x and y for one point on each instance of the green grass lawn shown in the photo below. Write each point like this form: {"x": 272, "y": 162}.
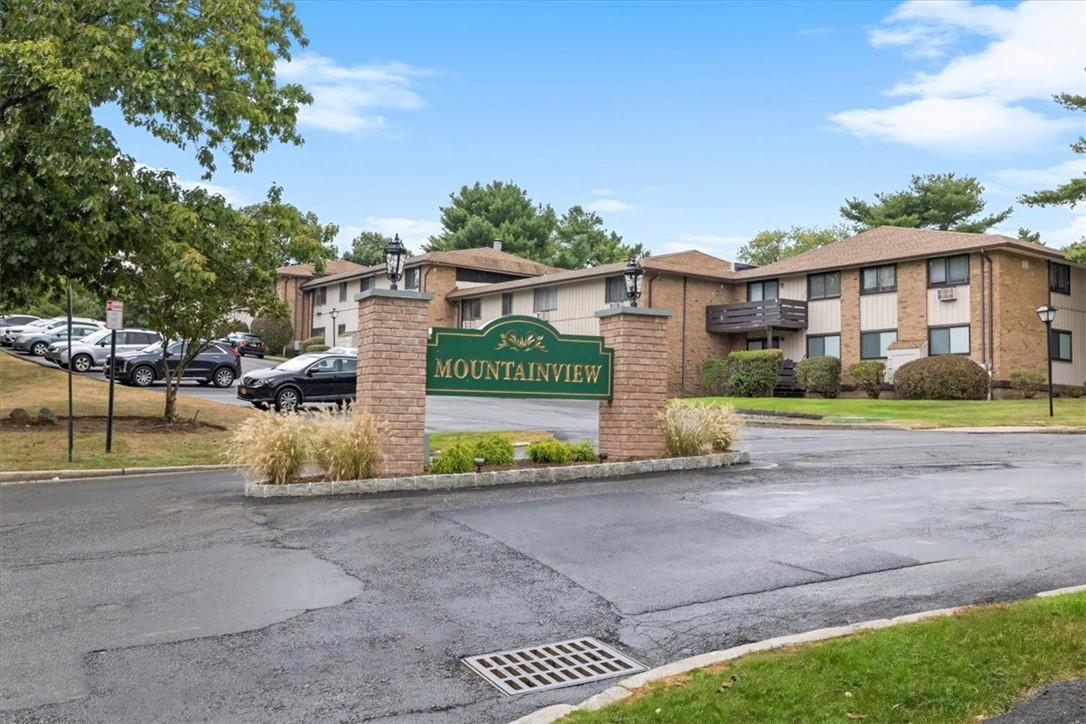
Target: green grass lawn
{"x": 956, "y": 669}
{"x": 442, "y": 440}
{"x": 921, "y": 413}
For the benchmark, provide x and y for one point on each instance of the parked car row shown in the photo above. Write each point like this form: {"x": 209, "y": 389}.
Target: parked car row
{"x": 217, "y": 363}
{"x": 246, "y": 343}
{"x": 91, "y": 351}
{"x": 36, "y": 336}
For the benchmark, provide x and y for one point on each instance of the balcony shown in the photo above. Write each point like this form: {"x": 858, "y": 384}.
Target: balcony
{"x": 756, "y": 316}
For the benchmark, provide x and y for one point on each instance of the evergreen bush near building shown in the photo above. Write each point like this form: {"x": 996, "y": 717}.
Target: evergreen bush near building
{"x": 495, "y": 450}
{"x": 945, "y": 377}
{"x": 714, "y": 375}
{"x": 820, "y": 375}
{"x": 753, "y": 373}
{"x": 322, "y": 347}
{"x": 868, "y": 376}
{"x": 458, "y": 458}
{"x": 1027, "y": 382}
{"x": 275, "y": 331}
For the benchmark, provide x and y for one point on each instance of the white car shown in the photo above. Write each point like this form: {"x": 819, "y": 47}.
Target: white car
{"x": 93, "y": 350}
{"x": 8, "y": 335}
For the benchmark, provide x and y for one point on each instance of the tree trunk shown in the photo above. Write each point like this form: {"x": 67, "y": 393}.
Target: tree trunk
{"x": 171, "y": 396}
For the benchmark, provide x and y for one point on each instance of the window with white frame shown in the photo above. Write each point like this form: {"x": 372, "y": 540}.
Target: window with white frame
{"x": 948, "y": 340}
{"x": 545, "y": 299}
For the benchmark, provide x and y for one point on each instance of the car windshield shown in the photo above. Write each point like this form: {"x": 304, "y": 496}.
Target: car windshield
{"x": 97, "y": 336}
{"x": 155, "y": 347}
{"x": 299, "y": 363}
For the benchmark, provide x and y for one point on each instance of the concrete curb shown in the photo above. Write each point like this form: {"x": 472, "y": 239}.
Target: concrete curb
{"x": 776, "y": 421}
{"x": 20, "y": 477}
{"x": 628, "y": 686}
{"x": 561, "y": 474}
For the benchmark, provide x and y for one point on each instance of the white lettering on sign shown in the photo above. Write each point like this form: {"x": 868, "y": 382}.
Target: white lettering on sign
{"x": 114, "y": 314}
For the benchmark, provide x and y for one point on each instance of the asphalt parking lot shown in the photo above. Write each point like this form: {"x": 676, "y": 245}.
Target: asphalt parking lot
{"x": 173, "y": 598}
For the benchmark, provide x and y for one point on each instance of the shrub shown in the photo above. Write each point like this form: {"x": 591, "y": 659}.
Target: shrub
{"x": 458, "y": 458}
{"x": 1027, "y": 382}
{"x": 868, "y": 376}
{"x": 495, "y": 449}
{"x": 550, "y": 451}
{"x": 944, "y": 377}
{"x": 583, "y": 452}
{"x": 700, "y": 429}
{"x": 820, "y": 375}
{"x": 272, "y": 446}
{"x": 275, "y": 331}
{"x": 322, "y": 347}
{"x": 227, "y": 326}
{"x": 714, "y": 375}
{"x": 346, "y": 446}
{"x": 1074, "y": 391}
{"x": 753, "y": 373}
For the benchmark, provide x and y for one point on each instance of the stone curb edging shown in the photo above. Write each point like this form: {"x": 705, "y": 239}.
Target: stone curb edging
{"x": 629, "y": 685}
{"x": 18, "y": 477}
{"x": 559, "y": 474}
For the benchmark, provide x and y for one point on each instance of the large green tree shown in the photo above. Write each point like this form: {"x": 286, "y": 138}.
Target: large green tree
{"x": 582, "y": 241}
{"x": 935, "y": 201}
{"x": 477, "y": 215}
{"x": 196, "y": 259}
{"x": 368, "y": 248}
{"x": 197, "y": 75}
{"x": 775, "y": 244}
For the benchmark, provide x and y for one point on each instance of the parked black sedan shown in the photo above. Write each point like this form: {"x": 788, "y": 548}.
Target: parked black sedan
{"x": 317, "y": 377}
{"x": 217, "y": 363}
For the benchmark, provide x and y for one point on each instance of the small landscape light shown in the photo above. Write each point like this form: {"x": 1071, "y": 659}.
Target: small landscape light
{"x": 479, "y": 464}
{"x": 633, "y": 275}
{"x": 394, "y": 256}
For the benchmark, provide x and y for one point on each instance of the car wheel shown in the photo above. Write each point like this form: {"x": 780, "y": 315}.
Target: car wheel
{"x": 287, "y": 399}
{"x": 143, "y": 376}
{"x": 82, "y": 363}
{"x": 224, "y": 377}
{"x": 39, "y": 349}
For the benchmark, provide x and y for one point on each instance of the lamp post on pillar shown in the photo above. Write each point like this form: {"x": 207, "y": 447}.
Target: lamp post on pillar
{"x": 394, "y": 254}
{"x": 1047, "y": 313}
{"x": 634, "y": 275}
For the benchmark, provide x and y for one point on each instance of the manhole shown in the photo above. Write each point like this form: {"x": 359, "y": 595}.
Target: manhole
{"x": 551, "y": 666}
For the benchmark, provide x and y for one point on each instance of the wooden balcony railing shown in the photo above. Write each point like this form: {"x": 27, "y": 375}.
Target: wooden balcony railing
{"x": 754, "y": 316}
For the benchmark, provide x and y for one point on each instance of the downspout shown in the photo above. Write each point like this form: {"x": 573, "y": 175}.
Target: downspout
{"x": 682, "y": 353}
{"x": 987, "y": 319}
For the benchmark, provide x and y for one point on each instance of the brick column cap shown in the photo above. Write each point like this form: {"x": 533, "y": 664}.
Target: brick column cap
{"x": 634, "y": 312}
{"x": 394, "y": 294}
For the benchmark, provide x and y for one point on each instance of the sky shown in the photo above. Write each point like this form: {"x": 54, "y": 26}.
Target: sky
{"x": 683, "y": 125}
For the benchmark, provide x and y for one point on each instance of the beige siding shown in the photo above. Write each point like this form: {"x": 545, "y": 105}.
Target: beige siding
{"x": 576, "y": 313}
{"x": 955, "y": 312}
{"x": 793, "y": 288}
{"x": 492, "y": 307}
{"x": 347, "y": 313}
{"x": 824, "y": 316}
{"x": 1072, "y": 317}
{"x": 878, "y": 311}
{"x": 794, "y": 345}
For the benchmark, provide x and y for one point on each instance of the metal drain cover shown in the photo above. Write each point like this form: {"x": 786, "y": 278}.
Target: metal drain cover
{"x": 551, "y": 666}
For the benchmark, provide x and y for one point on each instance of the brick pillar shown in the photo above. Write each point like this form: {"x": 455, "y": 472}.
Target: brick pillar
{"x": 912, "y": 302}
{"x": 850, "y": 321}
{"x": 632, "y": 422}
{"x": 391, "y": 339}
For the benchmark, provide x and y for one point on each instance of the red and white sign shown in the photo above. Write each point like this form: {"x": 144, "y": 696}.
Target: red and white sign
{"x": 114, "y": 314}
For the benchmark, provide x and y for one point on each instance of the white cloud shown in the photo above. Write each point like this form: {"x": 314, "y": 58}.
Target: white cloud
{"x": 609, "y": 205}
{"x": 975, "y": 100}
{"x": 413, "y": 232}
{"x": 719, "y": 245}
{"x": 1072, "y": 228}
{"x": 1013, "y": 182}
{"x": 231, "y": 196}
{"x": 348, "y": 99}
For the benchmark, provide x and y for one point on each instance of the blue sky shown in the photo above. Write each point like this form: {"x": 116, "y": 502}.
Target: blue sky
{"x": 684, "y": 125}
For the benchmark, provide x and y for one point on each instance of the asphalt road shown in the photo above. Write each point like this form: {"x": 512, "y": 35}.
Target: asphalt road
{"x": 173, "y": 598}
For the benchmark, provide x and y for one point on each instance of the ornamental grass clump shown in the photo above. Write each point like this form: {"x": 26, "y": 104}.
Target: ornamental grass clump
{"x": 273, "y": 447}
{"x": 347, "y": 446}
{"x": 700, "y": 429}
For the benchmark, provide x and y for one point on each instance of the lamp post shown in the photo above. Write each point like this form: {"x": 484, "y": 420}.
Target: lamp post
{"x": 333, "y": 313}
{"x": 634, "y": 275}
{"x": 1047, "y": 313}
{"x": 394, "y": 254}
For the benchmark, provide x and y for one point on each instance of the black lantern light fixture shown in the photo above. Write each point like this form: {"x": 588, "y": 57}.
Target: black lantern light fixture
{"x": 394, "y": 256}
{"x": 1047, "y": 313}
{"x": 633, "y": 275}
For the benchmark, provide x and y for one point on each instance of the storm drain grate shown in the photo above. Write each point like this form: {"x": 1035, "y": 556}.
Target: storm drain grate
{"x": 551, "y": 666}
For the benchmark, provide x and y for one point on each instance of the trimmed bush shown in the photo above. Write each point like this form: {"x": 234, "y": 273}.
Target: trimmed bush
{"x": 700, "y": 429}
{"x": 753, "y": 373}
{"x": 322, "y": 347}
{"x": 550, "y": 451}
{"x": 1027, "y": 382}
{"x": 583, "y": 452}
{"x": 820, "y": 375}
{"x": 346, "y": 446}
{"x": 271, "y": 446}
{"x": 945, "y": 377}
{"x": 714, "y": 375}
{"x": 275, "y": 331}
{"x": 1074, "y": 392}
{"x": 458, "y": 458}
{"x": 868, "y": 376}
{"x": 495, "y": 449}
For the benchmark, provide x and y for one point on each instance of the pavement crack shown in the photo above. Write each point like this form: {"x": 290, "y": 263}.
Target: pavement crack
{"x": 800, "y": 568}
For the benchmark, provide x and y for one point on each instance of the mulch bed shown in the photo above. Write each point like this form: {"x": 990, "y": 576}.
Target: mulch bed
{"x": 120, "y": 424}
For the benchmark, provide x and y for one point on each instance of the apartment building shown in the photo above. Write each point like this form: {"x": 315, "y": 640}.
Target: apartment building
{"x": 289, "y": 288}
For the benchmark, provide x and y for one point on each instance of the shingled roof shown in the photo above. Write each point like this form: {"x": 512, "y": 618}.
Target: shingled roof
{"x": 333, "y": 266}
{"x": 885, "y": 244}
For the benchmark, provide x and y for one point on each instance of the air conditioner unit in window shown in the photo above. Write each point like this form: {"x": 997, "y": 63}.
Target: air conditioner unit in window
{"x": 948, "y": 294}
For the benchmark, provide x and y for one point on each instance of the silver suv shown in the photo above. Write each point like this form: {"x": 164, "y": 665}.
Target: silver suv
{"x": 92, "y": 350}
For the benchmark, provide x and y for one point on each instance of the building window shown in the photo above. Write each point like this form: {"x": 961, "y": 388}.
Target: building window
{"x": 1059, "y": 277}
{"x": 874, "y": 345}
{"x": 482, "y": 277}
{"x": 343, "y": 291}
{"x": 759, "y": 343}
{"x": 545, "y": 299}
{"x": 341, "y": 329}
{"x": 322, "y": 295}
{"x": 948, "y": 270}
{"x": 948, "y": 340}
{"x": 365, "y": 283}
{"x": 824, "y": 286}
{"x": 616, "y": 290}
{"x": 411, "y": 278}
{"x": 877, "y": 279}
{"x": 824, "y": 345}
{"x": 507, "y": 304}
{"x": 1061, "y": 345}
{"x": 317, "y": 332}
{"x": 472, "y": 309}
{"x": 762, "y": 291}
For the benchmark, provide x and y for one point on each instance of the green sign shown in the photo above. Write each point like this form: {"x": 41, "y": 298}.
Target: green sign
{"x": 517, "y": 357}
